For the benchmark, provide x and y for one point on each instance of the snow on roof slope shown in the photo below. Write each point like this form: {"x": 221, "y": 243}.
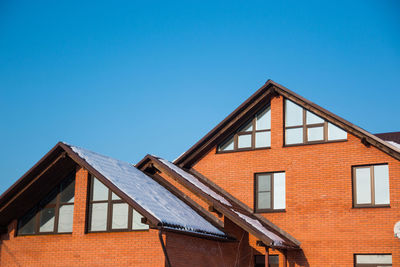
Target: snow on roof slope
{"x": 394, "y": 144}
{"x": 193, "y": 180}
{"x": 149, "y": 194}
{"x": 277, "y": 241}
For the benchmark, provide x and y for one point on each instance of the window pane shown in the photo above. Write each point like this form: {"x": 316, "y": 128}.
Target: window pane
{"x": 311, "y": 118}
{"x": 294, "y": 136}
{"x": 374, "y": 259}
{"x": 137, "y": 221}
{"x": 65, "y": 219}
{"x": 264, "y": 200}
{"x": 273, "y": 259}
{"x": 315, "y": 134}
{"x": 100, "y": 191}
{"x": 99, "y": 217}
{"x": 244, "y": 141}
{"x": 68, "y": 191}
{"x": 248, "y": 127}
{"x": 263, "y": 139}
{"x": 47, "y": 220}
{"x": 363, "y": 185}
{"x": 263, "y": 121}
{"x": 381, "y": 176}
{"x": 335, "y": 133}
{"x": 228, "y": 145}
{"x": 293, "y": 114}
{"x": 27, "y": 223}
{"x": 279, "y": 191}
{"x": 264, "y": 182}
{"x": 114, "y": 196}
{"x": 120, "y": 216}
{"x": 51, "y": 198}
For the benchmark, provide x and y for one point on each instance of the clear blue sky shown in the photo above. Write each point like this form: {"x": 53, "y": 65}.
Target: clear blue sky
{"x": 127, "y": 78}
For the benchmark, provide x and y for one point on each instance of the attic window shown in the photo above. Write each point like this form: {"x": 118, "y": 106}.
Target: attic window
{"x": 109, "y": 213}
{"x": 53, "y": 214}
{"x": 254, "y": 134}
{"x": 304, "y": 127}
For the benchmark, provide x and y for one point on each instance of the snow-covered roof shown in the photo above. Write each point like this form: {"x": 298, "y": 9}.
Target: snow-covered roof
{"x": 148, "y": 194}
{"x": 193, "y": 180}
{"x": 231, "y": 207}
{"x": 397, "y": 145}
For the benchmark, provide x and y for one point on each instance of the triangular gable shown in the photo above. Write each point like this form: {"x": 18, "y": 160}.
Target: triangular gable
{"x": 223, "y": 202}
{"x": 162, "y": 209}
{"x": 262, "y": 96}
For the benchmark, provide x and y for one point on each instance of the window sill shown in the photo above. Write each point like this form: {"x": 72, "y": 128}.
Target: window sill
{"x": 41, "y": 234}
{"x": 316, "y": 143}
{"x": 118, "y": 231}
{"x": 269, "y": 211}
{"x": 242, "y": 150}
{"x": 372, "y": 207}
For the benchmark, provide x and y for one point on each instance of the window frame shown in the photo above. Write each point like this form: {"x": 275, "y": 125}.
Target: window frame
{"x": 372, "y": 181}
{"x": 253, "y": 132}
{"x": 305, "y": 128}
{"x": 110, "y": 206}
{"x": 38, "y": 208}
{"x": 255, "y": 193}
{"x": 372, "y": 264}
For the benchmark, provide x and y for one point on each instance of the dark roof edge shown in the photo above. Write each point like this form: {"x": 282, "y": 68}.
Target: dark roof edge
{"x": 222, "y": 208}
{"x": 220, "y": 125}
{"x": 354, "y": 129}
{"x": 142, "y": 165}
{"x": 10, "y": 191}
{"x": 230, "y": 197}
{"x": 187, "y": 158}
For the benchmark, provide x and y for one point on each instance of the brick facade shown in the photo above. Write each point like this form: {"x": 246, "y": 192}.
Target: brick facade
{"x": 319, "y": 209}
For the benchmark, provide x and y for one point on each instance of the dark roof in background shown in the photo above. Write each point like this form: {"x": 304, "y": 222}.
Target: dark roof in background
{"x": 392, "y": 136}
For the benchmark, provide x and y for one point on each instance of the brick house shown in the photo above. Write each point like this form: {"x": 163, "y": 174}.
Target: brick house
{"x": 279, "y": 182}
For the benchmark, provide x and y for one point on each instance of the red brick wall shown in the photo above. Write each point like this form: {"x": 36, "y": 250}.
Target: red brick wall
{"x": 319, "y": 209}
{"x": 190, "y": 251}
{"x": 140, "y": 248}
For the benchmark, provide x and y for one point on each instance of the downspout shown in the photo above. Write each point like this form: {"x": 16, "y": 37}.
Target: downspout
{"x": 164, "y": 248}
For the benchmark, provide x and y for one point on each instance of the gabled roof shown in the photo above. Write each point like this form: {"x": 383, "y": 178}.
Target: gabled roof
{"x": 262, "y": 96}
{"x": 159, "y": 206}
{"x": 223, "y": 202}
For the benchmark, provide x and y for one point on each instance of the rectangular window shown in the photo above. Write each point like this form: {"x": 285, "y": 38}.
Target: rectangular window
{"x": 256, "y": 133}
{"x": 259, "y": 261}
{"x": 109, "y": 213}
{"x": 372, "y": 260}
{"x": 53, "y": 214}
{"x": 304, "y": 127}
{"x": 270, "y": 191}
{"x": 371, "y": 185}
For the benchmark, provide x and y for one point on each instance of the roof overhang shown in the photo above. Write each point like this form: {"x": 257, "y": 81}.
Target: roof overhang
{"x": 45, "y": 174}
{"x": 230, "y": 210}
